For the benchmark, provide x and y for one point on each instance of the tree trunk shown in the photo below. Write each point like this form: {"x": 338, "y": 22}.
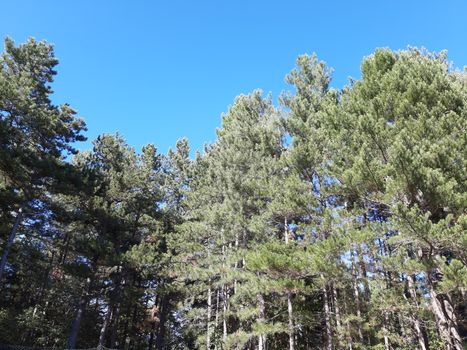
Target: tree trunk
{"x": 208, "y": 321}
{"x": 117, "y": 307}
{"x": 127, "y": 337}
{"x": 162, "y": 320}
{"x": 387, "y": 345}
{"x": 446, "y": 320}
{"x": 224, "y": 314}
{"x": 9, "y": 243}
{"x": 151, "y": 336}
{"x": 420, "y": 331}
{"x": 356, "y": 294}
{"x": 291, "y": 325}
{"x": 64, "y": 249}
{"x": 361, "y": 264}
{"x": 115, "y": 319}
{"x": 224, "y": 289}
{"x": 327, "y": 317}
{"x": 347, "y": 325}
{"x": 340, "y": 331}
{"x": 216, "y": 317}
{"x": 83, "y": 301}
{"x": 289, "y": 296}
{"x": 421, "y": 337}
{"x": 261, "y": 319}
{"x": 104, "y": 327}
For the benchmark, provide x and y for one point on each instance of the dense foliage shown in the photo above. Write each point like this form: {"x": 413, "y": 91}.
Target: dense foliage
{"x": 334, "y": 220}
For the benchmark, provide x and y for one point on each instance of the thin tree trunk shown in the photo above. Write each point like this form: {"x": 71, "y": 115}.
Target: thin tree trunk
{"x": 151, "y": 336}
{"x": 327, "y": 317}
{"x": 289, "y": 296}
{"x": 224, "y": 287}
{"x": 260, "y": 342}
{"x": 224, "y": 314}
{"x": 235, "y": 265}
{"x": 79, "y": 315}
{"x": 43, "y": 290}
{"x": 125, "y": 331}
{"x": 216, "y": 317}
{"x": 216, "y": 322}
{"x": 208, "y": 321}
{"x": 117, "y": 307}
{"x": 357, "y": 303}
{"x": 291, "y": 325}
{"x": 104, "y": 327}
{"x": 446, "y": 320}
{"x": 421, "y": 337}
{"x": 347, "y": 325}
{"x": 64, "y": 249}
{"x": 162, "y": 319}
{"x": 115, "y": 319}
{"x": 340, "y": 331}
{"x": 402, "y": 328}
{"x": 261, "y": 319}
{"x": 387, "y": 345}
{"x": 421, "y": 333}
{"x": 225, "y": 291}
{"x": 134, "y": 318}
{"x": 361, "y": 264}
{"x": 9, "y": 242}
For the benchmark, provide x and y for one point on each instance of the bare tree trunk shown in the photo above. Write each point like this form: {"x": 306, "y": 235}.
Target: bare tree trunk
{"x": 289, "y": 296}
{"x": 116, "y": 308}
{"x": 216, "y": 317}
{"x": 162, "y": 319}
{"x": 9, "y": 242}
{"x": 357, "y": 303}
{"x": 225, "y": 295}
{"x": 104, "y": 327}
{"x": 291, "y": 325}
{"x": 446, "y": 320}
{"x": 83, "y": 301}
{"x": 260, "y": 342}
{"x": 151, "y": 337}
{"x": 76, "y": 323}
{"x": 134, "y": 319}
{"x": 261, "y": 337}
{"x": 361, "y": 264}
{"x": 340, "y": 331}
{"x": 64, "y": 249}
{"x": 216, "y": 322}
{"x": 208, "y": 321}
{"x": 387, "y": 345}
{"x": 224, "y": 313}
{"x": 236, "y": 265}
{"x": 347, "y": 325}
{"x": 224, "y": 288}
{"x": 420, "y": 331}
{"x": 115, "y": 319}
{"x": 327, "y": 317}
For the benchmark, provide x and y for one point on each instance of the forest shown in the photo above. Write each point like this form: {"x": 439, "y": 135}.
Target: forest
{"x": 332, "y": 219}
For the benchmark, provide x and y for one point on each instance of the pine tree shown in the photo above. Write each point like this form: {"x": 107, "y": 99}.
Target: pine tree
{"x": 34, "y": 134}
{"x": 335, "y": 221}
{"x": 397, "y": 158}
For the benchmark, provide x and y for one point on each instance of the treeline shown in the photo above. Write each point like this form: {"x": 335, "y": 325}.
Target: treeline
{"x": 334, "y": 220}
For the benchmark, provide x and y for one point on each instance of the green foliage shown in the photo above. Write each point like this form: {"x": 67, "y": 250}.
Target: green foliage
{"x": 335, "y": 221}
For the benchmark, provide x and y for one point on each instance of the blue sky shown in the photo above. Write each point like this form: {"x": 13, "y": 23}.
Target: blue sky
{"x": 160, "y": 70}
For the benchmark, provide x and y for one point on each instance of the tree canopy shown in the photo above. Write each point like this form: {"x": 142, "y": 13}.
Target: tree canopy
{"x": 334, "y": 219}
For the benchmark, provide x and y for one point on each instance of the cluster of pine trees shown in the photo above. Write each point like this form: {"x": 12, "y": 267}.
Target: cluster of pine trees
{"x": 334, "y": 220}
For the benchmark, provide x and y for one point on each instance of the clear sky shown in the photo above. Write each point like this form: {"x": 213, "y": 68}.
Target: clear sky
{"x": 160, "y": 70}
